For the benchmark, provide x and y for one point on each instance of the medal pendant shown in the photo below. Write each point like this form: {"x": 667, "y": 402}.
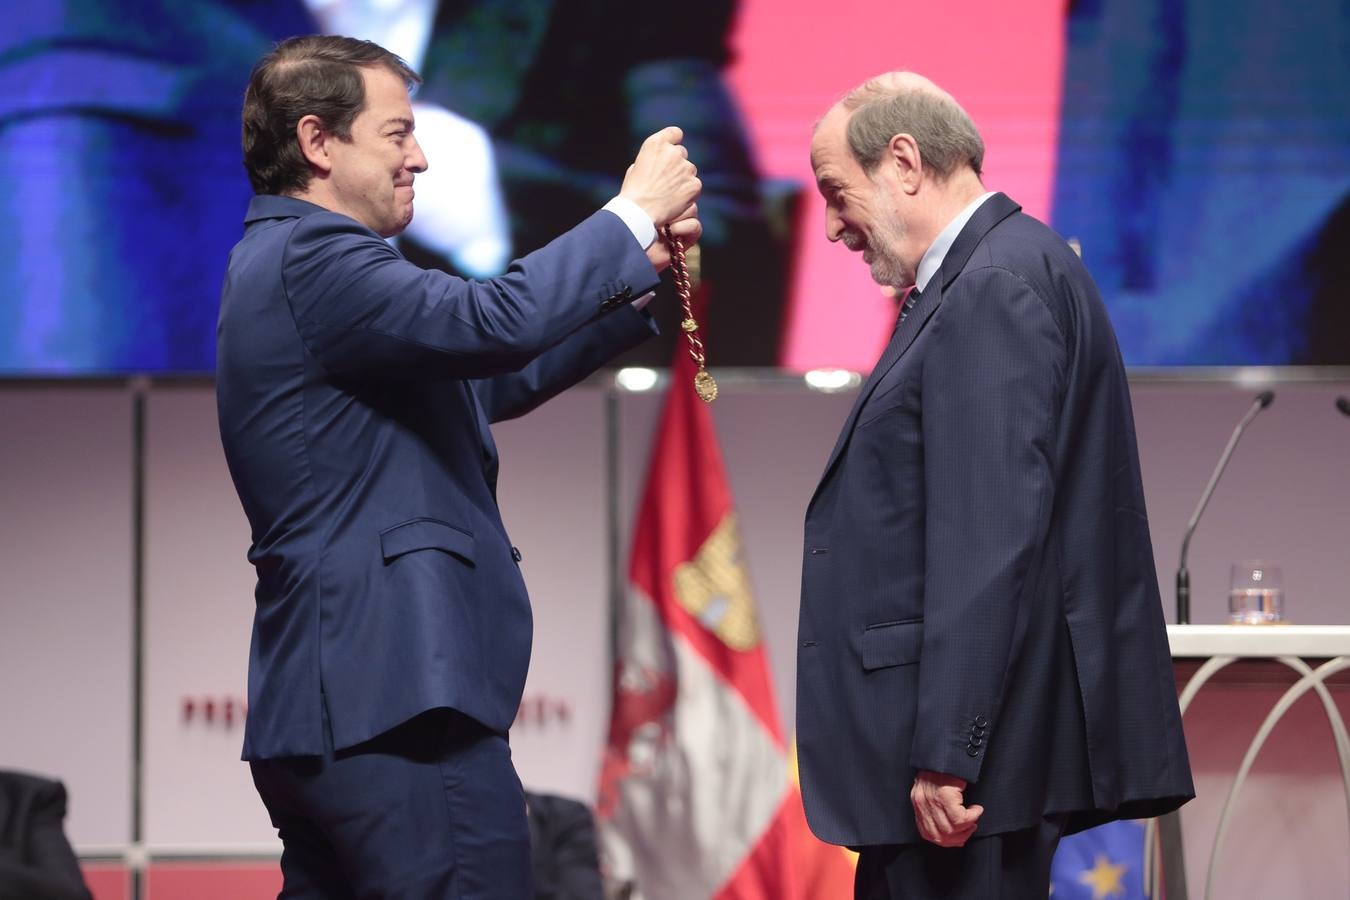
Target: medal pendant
{"x": 705, "y": 386}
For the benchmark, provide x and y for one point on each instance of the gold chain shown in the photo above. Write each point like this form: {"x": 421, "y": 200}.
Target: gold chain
{"x": 704, "y": 384}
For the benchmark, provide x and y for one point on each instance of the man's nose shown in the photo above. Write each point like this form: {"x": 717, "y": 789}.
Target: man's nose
{"x": 834, "y": 226}
{"x": 417, "y": 160}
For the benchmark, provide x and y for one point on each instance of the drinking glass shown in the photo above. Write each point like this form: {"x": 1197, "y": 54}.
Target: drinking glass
{"x": 1255, "y": 592}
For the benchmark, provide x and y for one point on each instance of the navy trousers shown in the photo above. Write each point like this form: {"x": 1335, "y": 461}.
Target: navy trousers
{"x": 1011, "y": 866}
{"x": 430, "y": 810}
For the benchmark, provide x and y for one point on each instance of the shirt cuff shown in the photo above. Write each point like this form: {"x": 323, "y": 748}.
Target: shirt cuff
{"x": 633, "y": 216}
{"x": 642, "y": 301}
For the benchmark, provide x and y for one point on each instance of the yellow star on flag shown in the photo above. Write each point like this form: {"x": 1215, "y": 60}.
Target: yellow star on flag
{"x": 1105, "y": 878}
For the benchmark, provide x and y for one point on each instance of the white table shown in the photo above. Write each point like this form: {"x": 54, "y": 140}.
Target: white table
{"x": 1313, "y": 652}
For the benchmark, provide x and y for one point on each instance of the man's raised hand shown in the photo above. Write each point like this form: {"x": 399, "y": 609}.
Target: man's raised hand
{"x": 662, "y": 180}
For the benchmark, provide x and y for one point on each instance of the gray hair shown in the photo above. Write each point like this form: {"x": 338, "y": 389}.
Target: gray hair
{"x": 887, "y": 106}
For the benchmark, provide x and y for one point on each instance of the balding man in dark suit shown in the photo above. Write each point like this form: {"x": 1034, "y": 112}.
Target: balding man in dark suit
{"x": 983, "y": 664}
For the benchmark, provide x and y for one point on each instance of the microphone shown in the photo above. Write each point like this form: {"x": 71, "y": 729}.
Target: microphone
{"x": 1183, "y": 576}
{"x": 1343, "y": 405}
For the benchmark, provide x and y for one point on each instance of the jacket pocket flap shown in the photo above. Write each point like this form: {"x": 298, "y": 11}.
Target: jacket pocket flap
{"x": 891, "y": 644}
{"x": 426, "y": 534}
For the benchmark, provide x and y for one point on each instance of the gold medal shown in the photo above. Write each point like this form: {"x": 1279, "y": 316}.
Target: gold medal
{"x": 704, "y": 385}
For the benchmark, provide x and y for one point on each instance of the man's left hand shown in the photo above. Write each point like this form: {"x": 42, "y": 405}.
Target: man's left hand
{"x": 940, "y": 810}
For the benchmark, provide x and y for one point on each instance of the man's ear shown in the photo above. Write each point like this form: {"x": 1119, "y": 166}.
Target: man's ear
{"x": 903, "y": 155}
{"x": 314, "y": 139}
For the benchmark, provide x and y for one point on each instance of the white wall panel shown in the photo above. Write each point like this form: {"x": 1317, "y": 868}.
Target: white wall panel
{"x": 552, "y": 494}
{"x": 1285, "y": 495}
{"x": 65, "y": 595}
{"x": 66, "y": 598}
{"x": 198, "y": 613}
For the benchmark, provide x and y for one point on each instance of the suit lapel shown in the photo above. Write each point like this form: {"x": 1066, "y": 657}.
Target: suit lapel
{"x": 904, "y": 336}
{"x": 991, "y": 212}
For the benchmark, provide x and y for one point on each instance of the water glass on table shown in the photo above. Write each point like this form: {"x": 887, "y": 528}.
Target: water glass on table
{"x": 1255, "y": 592}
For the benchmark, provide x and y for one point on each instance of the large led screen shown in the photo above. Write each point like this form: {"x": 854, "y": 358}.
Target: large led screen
{"x": 1198, "y": 152}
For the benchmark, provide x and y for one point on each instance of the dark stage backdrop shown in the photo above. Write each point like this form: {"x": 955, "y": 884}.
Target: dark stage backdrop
{"x": 1199, "y": 152}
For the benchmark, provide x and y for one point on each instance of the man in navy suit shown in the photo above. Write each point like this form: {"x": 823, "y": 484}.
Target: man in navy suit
{"x": 983, "y": 663}
{"x": 355, "y": 394}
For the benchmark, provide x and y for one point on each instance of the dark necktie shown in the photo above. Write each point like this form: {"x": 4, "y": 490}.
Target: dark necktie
{"x": 911, "y": 300}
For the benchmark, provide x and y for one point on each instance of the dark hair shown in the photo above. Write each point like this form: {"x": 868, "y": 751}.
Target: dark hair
{"x": 312, "y": 75}
{"x": 946, "y": 137}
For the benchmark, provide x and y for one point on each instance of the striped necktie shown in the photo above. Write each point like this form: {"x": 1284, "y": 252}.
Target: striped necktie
{"x": 911, "y": 301}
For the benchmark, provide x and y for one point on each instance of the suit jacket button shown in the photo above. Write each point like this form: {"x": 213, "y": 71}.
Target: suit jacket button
{"x": 976, "y": 740}
{"x": 981, "y": 721}
{"x": 972, "y": 752}
{"x": 515, "y": 554}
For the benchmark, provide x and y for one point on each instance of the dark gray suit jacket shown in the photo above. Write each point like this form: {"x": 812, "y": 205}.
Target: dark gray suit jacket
{"x": 36, "y": 859}
{"x": 564, "y": 860}
{"x": 978, "y": 589}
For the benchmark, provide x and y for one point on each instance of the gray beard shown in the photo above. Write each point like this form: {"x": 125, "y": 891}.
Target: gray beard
{"x": 885, "y": 269}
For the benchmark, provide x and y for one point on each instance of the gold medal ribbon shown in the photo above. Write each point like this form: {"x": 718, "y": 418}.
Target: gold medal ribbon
{"x": 704, "y": 384}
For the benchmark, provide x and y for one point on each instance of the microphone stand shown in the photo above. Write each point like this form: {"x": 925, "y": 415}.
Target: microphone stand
{"x": 1183, "y": 575}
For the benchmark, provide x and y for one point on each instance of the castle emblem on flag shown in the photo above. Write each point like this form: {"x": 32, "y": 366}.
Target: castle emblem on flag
{"x": 714, "y": 589}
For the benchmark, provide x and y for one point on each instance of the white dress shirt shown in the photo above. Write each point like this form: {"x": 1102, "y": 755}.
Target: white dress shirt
{"x": 937, "y": 251}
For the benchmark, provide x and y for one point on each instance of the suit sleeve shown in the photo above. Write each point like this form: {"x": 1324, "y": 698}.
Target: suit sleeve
{"x": 992, "y": 386}
{"x": 50, "y": 871}
{"x": 360, "y": 306}
{"x": 555, "y": 370}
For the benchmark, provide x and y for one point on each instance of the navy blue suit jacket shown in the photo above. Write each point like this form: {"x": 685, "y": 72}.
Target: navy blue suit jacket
{"x": 978, "y": 589}
{"x": 355, "y": 391}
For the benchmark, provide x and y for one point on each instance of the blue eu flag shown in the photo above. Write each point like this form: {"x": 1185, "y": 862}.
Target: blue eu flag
{"x": 1103, "y": 863}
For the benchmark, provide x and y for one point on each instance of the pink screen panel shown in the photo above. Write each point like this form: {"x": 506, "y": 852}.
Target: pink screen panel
{"x": 793, "y": 59}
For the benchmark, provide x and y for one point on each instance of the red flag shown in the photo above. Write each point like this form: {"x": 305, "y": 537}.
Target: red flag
{"x": 696, "y": 796}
